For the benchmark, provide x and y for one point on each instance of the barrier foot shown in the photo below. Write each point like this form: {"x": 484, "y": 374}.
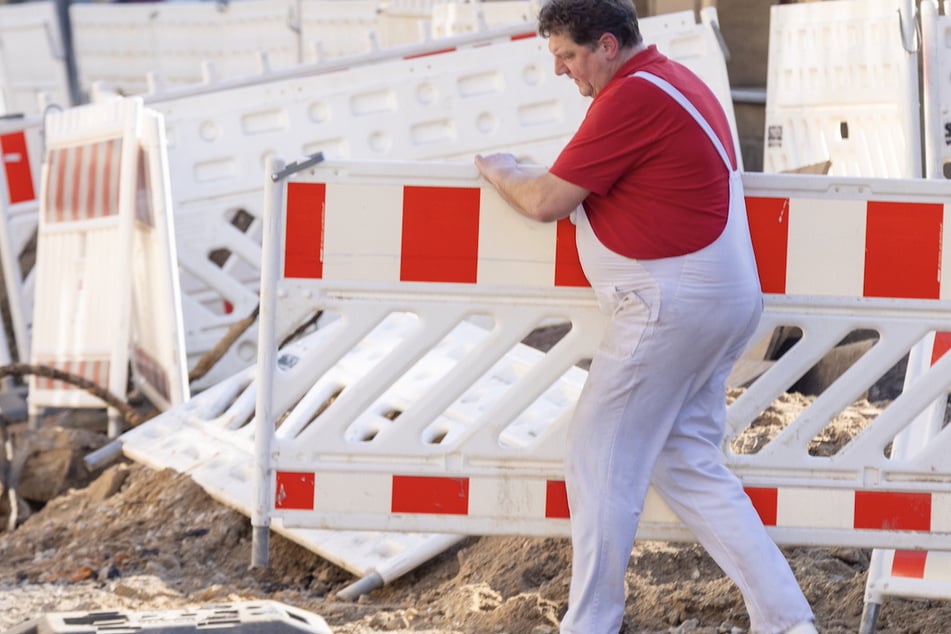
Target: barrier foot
{"x": 107, "y": 454}
{"x": 259, "y": 546}
{"x": 114, "y": 427}
{"x": 869, "y": 617}
{"x": 362, "y": 586}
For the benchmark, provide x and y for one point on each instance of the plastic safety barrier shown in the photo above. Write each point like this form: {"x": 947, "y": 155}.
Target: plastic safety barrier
{"x": 842, "y": 86}
{"x": 192, "y": 42}
{"x": 22, "y": 152}
{"x": 361, "y": 458}
{"x": 912, "y": 573}
{"x": 478, "y": 92}
{"x": 868, "y": 26}
{"x": 104, "y": 226}
{"x": 32, "y": 58}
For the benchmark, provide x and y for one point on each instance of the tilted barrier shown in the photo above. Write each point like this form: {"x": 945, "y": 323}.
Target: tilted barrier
{"x": 448, "y": 99}
{"x": 182, "y": 43}
{"x": 360, "y": 241}
{"x": 105, "y": 272}
{"x": 22, "y": 151}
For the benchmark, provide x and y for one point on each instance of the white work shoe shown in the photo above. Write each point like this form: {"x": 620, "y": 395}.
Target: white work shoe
{"x": 806, "y": 627}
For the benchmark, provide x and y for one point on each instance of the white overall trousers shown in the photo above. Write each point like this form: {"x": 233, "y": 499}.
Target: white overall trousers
{"x": 653, "y": 408}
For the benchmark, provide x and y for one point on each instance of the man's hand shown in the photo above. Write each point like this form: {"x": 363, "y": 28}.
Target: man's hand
{"x": 537, "y": 194}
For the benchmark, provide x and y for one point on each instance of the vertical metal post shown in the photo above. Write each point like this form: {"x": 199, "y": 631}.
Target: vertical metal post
{"x": 66, "y": 32}
{"x": 267, "y": 358}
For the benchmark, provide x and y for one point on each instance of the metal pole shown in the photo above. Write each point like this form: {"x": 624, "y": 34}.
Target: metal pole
{"x": 66, "y": 32}
{"x": 275, "y": 174}
{"x": 267, "y": 355}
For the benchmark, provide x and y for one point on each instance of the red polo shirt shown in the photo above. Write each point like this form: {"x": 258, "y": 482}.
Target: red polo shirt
{"x": 658, "y": 186}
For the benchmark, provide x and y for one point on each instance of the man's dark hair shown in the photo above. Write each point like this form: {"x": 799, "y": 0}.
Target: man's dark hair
{"x": 585, "y": 21}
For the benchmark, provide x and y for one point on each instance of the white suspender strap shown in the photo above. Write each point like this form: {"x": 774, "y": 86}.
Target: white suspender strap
{"x": 679, "y": 97}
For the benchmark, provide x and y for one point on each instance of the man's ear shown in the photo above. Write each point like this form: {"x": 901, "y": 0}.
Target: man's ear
{"x": 609, "y": 45}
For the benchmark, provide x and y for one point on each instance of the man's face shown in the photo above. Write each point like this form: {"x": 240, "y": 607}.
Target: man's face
{"x": 585, "y": 66}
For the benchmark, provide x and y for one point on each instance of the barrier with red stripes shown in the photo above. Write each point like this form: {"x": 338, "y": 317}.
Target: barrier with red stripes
{"x": 106, "y": 276}
{"x": 432, "y": 246}
{"x": 21, "y": 149}
{"x": 912, "y": 573}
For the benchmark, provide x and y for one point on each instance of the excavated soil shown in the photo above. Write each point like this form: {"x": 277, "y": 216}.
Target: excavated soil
{"x": 132, "y": 538}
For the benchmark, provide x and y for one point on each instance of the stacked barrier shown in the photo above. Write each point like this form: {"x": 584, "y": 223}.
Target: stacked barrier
{"x": 842, "y": 86}
{"x": 185, "y": 43}
{"x": 105, "y": 275}
{"x": 489, "y": 91}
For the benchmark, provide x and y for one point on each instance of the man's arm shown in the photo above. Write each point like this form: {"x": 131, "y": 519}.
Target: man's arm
{"x": 542, "y": 196}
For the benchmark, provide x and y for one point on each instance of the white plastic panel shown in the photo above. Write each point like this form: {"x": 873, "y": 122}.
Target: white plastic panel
{"x": 106, "y": 275}
{"x": 173, "y": 40}
{"x": 157, "y": 348}
{"x": 32, "y": 58}
{"x": 81, "y": 307}
{"x": 842, "y": 86}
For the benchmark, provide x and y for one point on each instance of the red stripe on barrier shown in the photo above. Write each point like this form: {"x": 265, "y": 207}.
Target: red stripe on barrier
{"x": 524, "y": 36}
{"x": 294, "y": 490}
{"x": 769, "y": 228}
{"x": 877, "y": 510}
{"x": 16, "y": 166}
{"x": 766, "y": 503}
{"x": 440, "y": 241}
{"x": 304, "y": 234}
{"x": 568, "y": 270}
{"x": 942, "y": 343}
{"x": 903, "y": 250}
{"x": 909, "y": 564}
{"x": 54, "y": 188}
{"x": 556, "y": 500}
{"x": 80, "y": 155}
{"x": 430, "y": 53}
{"x": 91, "y": 171}
{"x": 430, "y": 495}
{"x": 143, "y": 190}
{"x": 110, "y": 194}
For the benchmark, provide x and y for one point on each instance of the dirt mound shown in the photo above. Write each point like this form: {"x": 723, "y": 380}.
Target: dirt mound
{"x": 139, "y": 539}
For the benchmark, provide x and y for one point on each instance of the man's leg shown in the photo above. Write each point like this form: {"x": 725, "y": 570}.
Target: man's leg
{"x": 710, "y": 500}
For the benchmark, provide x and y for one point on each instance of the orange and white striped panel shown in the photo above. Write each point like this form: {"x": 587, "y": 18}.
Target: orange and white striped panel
{"x": 83, "y": 181}
{"x": 328, "y": 492}
{"x": 850, "y": 247}
{"x": 91, "y": 368}
{"x": 406, "y": 233}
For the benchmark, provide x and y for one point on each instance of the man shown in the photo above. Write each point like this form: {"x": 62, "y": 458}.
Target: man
{"x": 652, "y": 182}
